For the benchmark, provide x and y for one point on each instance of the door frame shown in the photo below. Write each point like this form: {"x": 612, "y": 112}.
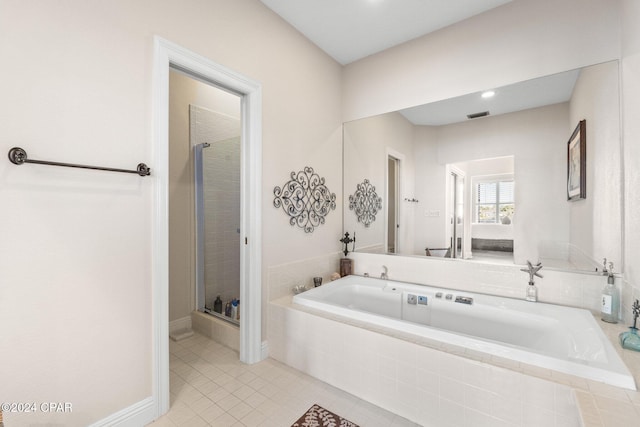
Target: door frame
{"x": 399, "y": 158}
{"x": 169, "y": 55}
{"x": 453, "y": 174}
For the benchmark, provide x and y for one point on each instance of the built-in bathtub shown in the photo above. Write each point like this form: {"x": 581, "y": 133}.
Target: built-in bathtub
{"x": 558, "y": 338}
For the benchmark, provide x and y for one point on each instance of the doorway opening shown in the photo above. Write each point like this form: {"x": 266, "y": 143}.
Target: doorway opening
{"x": 205, "y": 134}
{"x": 169, "y": 56}
{"x": 482, "y": 209}
{"x": 393, "y": 194}
{"x": 457, "y": 206}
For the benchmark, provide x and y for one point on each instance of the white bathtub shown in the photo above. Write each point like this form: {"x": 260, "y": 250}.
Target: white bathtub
{"x": 554, "y": 337}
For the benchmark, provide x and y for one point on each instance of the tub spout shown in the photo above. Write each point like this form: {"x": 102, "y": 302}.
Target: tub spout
{"x": 385, "y": 273}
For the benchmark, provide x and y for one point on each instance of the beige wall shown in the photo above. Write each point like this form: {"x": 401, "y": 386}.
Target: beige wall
{"x": 535, "y": 138}
{"x": 76, "y": 246}
{"x": 596, "y": 227}
{"x": 514, "y": 42}
{"x": 631, "y": 138}
{"x": 366, "y": 145}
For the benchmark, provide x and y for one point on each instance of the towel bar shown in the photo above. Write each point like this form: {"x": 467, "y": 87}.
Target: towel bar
{"x": 18, "y": 156}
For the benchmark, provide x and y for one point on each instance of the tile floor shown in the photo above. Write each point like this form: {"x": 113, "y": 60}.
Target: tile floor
{"x": 210, "y": 387}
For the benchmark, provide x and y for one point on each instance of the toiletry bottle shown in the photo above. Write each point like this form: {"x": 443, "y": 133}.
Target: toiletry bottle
{"x": 532, "y": 292}
{"x": 217, "y": 305}
{"x": 610, "y": 301}
{"x": 227, "y": 309}
{"x": 234, "y": 309}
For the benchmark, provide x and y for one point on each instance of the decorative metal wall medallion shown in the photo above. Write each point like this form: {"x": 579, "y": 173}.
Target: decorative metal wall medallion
{"x": 365, "y": 202}
{"x": 306, "y": 199}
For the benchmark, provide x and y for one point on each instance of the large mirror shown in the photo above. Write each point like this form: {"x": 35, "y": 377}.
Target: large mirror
{"x": 483, "y": 177}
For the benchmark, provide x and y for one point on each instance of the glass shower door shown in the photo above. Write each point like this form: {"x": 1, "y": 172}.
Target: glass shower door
{"x": 217, "y": 197}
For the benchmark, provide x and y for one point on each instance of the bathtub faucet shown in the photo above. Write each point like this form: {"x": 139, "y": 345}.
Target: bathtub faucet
{"x": 384, "y": 275}
{"x": 532, "y": 291}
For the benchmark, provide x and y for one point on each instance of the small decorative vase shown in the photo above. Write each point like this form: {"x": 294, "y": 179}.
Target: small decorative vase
{"x": 346, "y": 267}
{"x": 630, "y": 339}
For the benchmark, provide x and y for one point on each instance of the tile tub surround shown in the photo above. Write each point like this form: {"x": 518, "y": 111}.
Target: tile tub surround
{"x": 428, "y": 386}
{"x": 283, "y": 277}
{"x": 557, "y": 287}
{"x": 396, "y": 373}
{"x": 602, "y": 405}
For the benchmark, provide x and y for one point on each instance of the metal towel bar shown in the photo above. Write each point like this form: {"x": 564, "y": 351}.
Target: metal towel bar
{"x": 18, "y": 156}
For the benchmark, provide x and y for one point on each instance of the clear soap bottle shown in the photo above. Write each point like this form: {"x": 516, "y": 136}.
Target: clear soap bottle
{"x": 610, "y": 300}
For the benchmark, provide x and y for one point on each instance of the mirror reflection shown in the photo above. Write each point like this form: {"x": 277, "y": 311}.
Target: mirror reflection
{"x": 484, "y": 178}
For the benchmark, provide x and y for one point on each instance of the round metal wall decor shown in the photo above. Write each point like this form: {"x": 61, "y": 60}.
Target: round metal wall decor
{"x": 365, "y": 202}
{"x": 306, "y": 199}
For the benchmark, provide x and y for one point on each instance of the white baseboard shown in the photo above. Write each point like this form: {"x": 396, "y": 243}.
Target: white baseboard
{"x": 136, "y": 415}
{"x": 180, "y": 324}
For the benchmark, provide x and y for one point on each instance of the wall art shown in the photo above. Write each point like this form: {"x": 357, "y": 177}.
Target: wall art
{"x": 577, "y": 163}
{"x": 306, "y": 199}
{"x": 365, "y": 202}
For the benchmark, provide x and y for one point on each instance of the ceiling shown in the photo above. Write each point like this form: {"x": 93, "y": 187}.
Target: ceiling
{"x": 349, "y": 30}
{"x": 534, "y": 93}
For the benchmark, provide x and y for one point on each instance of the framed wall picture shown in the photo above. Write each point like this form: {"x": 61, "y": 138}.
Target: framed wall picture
{"x": 577, "y": 163}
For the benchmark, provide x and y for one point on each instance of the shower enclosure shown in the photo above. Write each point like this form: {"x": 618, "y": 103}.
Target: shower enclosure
{"x": 216, "y": 153}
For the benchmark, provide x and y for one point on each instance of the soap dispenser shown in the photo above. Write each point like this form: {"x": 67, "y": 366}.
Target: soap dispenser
{"x": 610, "y": 301}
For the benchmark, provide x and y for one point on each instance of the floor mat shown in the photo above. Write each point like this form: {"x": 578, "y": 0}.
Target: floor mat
{"x": 317, "y": 416}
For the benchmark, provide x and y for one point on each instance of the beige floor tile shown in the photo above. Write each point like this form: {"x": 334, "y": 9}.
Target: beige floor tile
{"x": 253, "y": 419}
{"x": 210, "y": 386}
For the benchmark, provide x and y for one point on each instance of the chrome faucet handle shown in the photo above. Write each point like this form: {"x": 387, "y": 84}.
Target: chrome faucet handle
{"x": 385, "y": 272}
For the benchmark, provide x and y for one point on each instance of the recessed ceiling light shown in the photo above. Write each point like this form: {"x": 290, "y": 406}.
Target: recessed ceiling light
{"x": 488, "y": 94}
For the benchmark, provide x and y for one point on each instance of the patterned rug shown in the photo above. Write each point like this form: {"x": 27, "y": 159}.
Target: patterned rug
{"x": 317, "y": 416}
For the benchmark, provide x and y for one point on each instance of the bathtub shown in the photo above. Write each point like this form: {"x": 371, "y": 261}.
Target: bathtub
{"x": 558, "y": 338}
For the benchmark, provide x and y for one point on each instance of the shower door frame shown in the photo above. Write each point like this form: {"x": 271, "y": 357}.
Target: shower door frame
{"x": 168, "y": 55}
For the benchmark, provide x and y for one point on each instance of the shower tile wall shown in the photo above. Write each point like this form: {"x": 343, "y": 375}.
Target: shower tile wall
{"x": 221, "y": 177}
